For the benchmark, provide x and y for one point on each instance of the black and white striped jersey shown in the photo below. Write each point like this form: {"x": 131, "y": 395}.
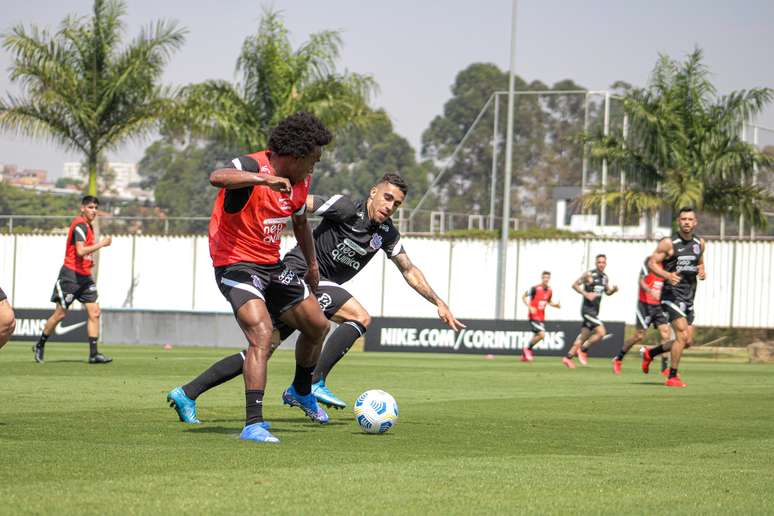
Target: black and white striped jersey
{"x": 685, "y": 259}
{"x": 346, "y": 239}
{"x": 598, "y": 285}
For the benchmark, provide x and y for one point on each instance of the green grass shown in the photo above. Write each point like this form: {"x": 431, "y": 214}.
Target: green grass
{"x": 475, "y": 436}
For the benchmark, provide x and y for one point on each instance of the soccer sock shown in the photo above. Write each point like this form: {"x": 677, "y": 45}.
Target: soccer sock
{"x": 336, "y": 347}
{"x": 584, "y": 348}
{"x": 664, "y": 363}
{"x": 219, "y": 372}
{"x": 621, "y": 354}
{"x": 654, "y": 352}
{"x": 253, "y": 407}
{"x": 92, "y": 346}
{"x": 672, "y": 372}
{"x": 302, "y": 382}
{"x": 42, "y": 340}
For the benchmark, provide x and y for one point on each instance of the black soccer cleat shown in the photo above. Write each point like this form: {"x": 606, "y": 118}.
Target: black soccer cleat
{"x": 99, "y": 358}
{"x": 37, "y": 351}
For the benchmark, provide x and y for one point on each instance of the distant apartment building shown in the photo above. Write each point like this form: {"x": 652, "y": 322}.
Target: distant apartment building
{"x": 124, "y": 182}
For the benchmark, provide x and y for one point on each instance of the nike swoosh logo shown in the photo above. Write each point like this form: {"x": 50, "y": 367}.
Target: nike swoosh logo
{"x": 61, "y": 330}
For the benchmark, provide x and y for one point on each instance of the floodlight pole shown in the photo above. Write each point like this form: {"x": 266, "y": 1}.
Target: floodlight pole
{"x": 755, "y": 174}
{"x": 493, "y": 185}
{"x": 502, "y": 255}
{"x": 606, "y": 132}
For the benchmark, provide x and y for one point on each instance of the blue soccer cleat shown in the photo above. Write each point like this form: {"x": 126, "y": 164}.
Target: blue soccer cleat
{"x": 183, "y": 405}
{"x": 306, "y": 403}
{"x": 325, "y": 396}
{"x": 257, "y": 432}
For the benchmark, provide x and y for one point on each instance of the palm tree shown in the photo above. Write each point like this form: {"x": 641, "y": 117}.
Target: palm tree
{"x": 81, "y": 90}
{"x": 276, "y": 81}
{"x": 684, "y": 147}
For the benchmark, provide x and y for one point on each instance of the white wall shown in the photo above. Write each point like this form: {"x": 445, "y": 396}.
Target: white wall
{"x": 175, "y": 273}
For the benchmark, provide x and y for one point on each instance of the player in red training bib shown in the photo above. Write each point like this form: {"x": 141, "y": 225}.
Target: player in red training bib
{"x": 536, "y": 300}
{"x": 648, "y": 313}
{"x": 259, "y": 194}
{"x": 75, "y": 281}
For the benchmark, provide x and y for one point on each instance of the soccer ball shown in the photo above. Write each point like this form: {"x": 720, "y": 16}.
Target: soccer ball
{"x": 376, "y": 411}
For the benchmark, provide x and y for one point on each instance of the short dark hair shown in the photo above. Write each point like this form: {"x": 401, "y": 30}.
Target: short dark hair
{"x": 395, "y": 179}
{"x": 546, "y": 272}
{"x": 685, "y": 209}
{"x": 600, "y": 256}
{"x": 298, "y": 134}
{"x": 89, "y": 199}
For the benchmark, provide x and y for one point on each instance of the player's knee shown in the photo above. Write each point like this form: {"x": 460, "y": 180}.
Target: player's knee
{"x": 319, "y": 329}
{"x": 364, "y": 318}
{"x": 7, "y": 326}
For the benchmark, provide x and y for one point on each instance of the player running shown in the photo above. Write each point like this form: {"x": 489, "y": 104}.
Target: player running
{"x": 7, "y": 319}
{"x": 680, "y": 261}
{"x": 350, "y": 235}
{"x": 258, "y": 195}
{"x": 648, "y": 313}
{"x": 75, "y": 281}
{"x": 592, "y": 285}
{"x": 536, "y": 300}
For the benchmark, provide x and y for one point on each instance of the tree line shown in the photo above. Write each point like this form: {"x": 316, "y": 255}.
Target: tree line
{"x": 88, "y": 89}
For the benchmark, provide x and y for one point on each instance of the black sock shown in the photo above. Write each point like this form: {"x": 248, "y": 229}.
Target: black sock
{"x": 656, "y": 351}
{"x": 664, "y": 363}
{"x": 533, "y": 344}
{"x": 569, "y": 355}
{"x": 672, "y": 372}
{"x": 621, "y": 354}
{"x": 219, "y": 372}
{"x": 253, "y": 407}
{"x": 302, "y": 382}
{"x": 336, "y": 347}
{"x": 584, "y": 349}
{"x": 42, "y": 340}
{"x": 92, "y": 346}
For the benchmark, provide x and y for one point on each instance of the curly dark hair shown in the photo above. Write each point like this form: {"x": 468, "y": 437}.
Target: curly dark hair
{"x": 298, "y": 134}
{"x": 395, "y": 179}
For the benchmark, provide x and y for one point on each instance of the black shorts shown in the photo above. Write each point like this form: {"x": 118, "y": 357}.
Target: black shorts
{"x": 3, "y": 297}
{"x": 330, "y": 296}
{"x": 649, "y": 314}
{"x": 276, "y": 285}
{"x": 70, "y": 286}
{"x": 591, "y": 321}
{"x": 674, "y": 309}
{"x": 537, "y": 326}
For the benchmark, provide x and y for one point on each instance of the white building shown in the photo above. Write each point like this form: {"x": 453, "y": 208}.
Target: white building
{"x": 125, "y": 175}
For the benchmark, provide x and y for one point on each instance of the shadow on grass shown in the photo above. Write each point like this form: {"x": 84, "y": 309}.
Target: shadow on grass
{"x": 660, "y": 384}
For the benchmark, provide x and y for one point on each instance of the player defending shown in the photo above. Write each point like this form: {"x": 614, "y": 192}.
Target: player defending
{"x": 258, "y": 195}
{"x": 648, "y": 313}
{"x": 679, "y": 260}
{"x": 7, "y": 319}
{"x": 350, "y": 235}
{"x": 536, "y": 300}
{"x": 592, "y": 285}
{"x": 75, "y": 281}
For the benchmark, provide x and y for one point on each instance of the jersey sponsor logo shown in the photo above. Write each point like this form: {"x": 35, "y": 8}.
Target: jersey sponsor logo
{"x": 376, "y": 242}
{"x": 63, "y": 330}
{"x": 467, "y": 339}
{"x": 355, "y": 247}
{"x": 273, "y": 228}
{"x": 284, "y": 203}
{"x": 384, "y": 227}
{"x": 286, "y": 277}
{"x": 346, "y": 254}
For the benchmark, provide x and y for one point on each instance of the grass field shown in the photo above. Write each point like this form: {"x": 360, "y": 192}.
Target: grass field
{"x": 475, "y": 436}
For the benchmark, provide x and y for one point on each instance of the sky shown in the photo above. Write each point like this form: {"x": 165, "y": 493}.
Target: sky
{"x": 414, "y": 49}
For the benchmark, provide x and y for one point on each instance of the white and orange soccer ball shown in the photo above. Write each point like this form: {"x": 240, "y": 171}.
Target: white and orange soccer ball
{"x": 376, "y": 411}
